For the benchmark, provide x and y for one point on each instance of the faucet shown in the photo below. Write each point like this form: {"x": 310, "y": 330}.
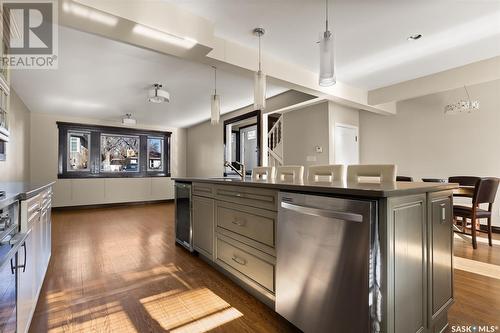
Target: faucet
{"x": 241, "y": 172}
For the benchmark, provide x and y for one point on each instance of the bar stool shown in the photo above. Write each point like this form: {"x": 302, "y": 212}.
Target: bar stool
{"x": 385, "y": 172}
{"x": 404, "y": 179}
{"x": 287, "y": 173}
{"x": 334, "y": 172}
{"x": 263, "y": 173}
{"x": 485, "y": 190}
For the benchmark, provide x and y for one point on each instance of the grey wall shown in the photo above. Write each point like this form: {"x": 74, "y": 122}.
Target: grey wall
{"x": 424, "y": 142}
{"x": 17, "y": 165}
{"x": 303, "y": 130}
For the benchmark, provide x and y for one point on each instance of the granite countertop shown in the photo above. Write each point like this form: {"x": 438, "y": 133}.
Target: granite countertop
{"x": 371, "y": 190}
{"x": 20, "y": 191}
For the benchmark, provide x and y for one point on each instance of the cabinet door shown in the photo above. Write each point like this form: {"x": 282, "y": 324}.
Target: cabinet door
{"x": 203, "y": 225}
{"x": 26, "y": 284}
{"x": 407, "y": 264}
{"x": 440, "y": 254}
{"x": 40, "y": 247}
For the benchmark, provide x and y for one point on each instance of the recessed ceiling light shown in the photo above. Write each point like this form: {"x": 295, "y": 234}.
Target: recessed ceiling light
{"x": 414, "y": 37}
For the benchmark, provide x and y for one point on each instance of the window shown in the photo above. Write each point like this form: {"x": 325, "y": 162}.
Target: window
{"x": 119, "y": 153}
{"x": 155, "y": 154}
{"x": 78, "y": 157}
{"x": 88, "y": 151}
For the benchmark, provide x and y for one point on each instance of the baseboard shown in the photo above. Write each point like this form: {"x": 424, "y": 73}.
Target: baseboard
{"x": 111, "y": 205}
{"x": 494, "y": 229}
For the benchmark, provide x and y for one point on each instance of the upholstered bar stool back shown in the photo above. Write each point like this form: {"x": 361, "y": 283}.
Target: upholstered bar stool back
{"x": 263, "y": 173}
{"x": 290, "y": 173}
{"x": 325, "y": 173}
{"x": 386, "y": 173}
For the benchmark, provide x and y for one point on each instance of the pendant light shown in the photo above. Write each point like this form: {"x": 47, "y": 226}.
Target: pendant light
{"x": 326, "y": 57}
{"x": 259, "y": 89}
{"x": 215, "y": 101}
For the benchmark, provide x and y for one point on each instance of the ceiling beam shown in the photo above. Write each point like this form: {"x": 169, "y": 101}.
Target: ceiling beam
{"x": 475, "y": 73}
{"x": 174, "y": 21}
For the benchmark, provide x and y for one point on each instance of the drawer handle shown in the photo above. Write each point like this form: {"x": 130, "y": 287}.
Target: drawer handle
{"x": 239, "y": 260}
{"x": 238, "y": 223}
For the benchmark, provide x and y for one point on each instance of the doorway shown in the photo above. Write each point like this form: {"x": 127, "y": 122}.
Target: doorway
{"x": 346, "y": 143}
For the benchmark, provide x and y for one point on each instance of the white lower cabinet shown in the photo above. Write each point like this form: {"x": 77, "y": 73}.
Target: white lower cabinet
{"x": 34, "y": 256}
{"x": 26, "y": 284}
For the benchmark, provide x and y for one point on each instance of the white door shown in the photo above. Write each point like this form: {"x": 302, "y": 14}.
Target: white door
{"x": 249, "y": 153}
{"x": 346, "y": 144}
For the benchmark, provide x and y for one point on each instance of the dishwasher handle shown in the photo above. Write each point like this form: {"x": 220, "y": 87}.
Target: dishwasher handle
{"x": 345, "y": 216}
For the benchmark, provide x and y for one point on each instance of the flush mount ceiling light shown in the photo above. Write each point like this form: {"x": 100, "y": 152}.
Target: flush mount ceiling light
{"x": 215, "y": 102}
{"x": 414, "y": 37}
{"x": 128, "y": 120}
{"x": 259, "y": 88}
{"x": 158, "y": 95}
{"x": 326, "y": 57}
{"x": 463, "y": 106}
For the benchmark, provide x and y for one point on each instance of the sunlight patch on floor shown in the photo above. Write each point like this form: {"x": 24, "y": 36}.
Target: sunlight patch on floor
{"x": 109, "y": 317}
{"x": 477, "y": 267}
{"x": 196, "y": 310}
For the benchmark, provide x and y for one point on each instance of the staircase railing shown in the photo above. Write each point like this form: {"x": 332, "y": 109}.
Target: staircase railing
{"x": 274, "y": 140}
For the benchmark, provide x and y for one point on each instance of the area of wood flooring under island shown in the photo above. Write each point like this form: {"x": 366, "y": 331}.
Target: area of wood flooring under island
{"x": 118, "y": 270}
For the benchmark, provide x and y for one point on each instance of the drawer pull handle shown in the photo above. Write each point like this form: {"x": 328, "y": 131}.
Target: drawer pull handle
{"x": 239, "y": 260}
{"x": 238, "y": 223}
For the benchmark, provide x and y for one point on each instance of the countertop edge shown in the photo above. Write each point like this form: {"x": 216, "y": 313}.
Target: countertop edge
{"x": 359, "y": 192}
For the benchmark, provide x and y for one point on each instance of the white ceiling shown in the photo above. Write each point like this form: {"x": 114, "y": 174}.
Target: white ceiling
{"x": 104, "y": 79}
{"x": 371, "y": 36}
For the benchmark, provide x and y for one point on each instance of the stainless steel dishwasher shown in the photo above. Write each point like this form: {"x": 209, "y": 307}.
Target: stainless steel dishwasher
{"x": 324, "y": 271}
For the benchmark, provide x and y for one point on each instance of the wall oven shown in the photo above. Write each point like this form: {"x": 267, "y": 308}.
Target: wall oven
{"x": 11, "y": 242}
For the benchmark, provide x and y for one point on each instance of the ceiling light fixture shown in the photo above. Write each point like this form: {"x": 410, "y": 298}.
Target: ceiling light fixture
{"x": 259, "y": 88}
{"x": 215, "y": 101}
{"x": 326, "y": 57}
{"x": 128, "y": 120}
{"x": 158, "y": 95}
{"x": 414, "y": 37}
{"x": 462, "y": 106}
{"x": 184, "y": 42}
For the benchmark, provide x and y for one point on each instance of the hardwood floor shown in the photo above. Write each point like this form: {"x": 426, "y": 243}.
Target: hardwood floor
{"x": 118, "y": 270}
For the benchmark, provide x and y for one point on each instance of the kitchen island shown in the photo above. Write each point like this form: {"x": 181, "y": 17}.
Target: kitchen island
{"x": 332, "y": 256}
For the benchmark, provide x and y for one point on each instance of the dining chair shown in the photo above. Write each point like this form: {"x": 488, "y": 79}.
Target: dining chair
{"x": 263, "y": 173}
{"x": 333, "y": 172}
{"x": 404, "y": 179}
{"x": 485, "y": 190}
{"x": 386, "y": 173}
{"x": 287, "y": 173}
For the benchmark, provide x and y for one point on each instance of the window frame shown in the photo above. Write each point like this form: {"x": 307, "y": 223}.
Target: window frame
{"x": 162, "y": 140}
{"x": 69, "y": 150}
{"x": 95, "y": 151}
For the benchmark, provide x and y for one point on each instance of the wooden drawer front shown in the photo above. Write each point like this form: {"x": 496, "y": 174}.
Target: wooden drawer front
{"x": 254, "y": 223}
{"x": 248, "y": 264}
{"x": 203, "y": 189}
{"x": 255, "y": 197}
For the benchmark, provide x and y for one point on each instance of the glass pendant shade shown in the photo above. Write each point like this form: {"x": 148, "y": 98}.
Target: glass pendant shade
{"x": 326, "y": 60}
{"x": 259, "y": 91}
{"x": 215, "y": 107}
